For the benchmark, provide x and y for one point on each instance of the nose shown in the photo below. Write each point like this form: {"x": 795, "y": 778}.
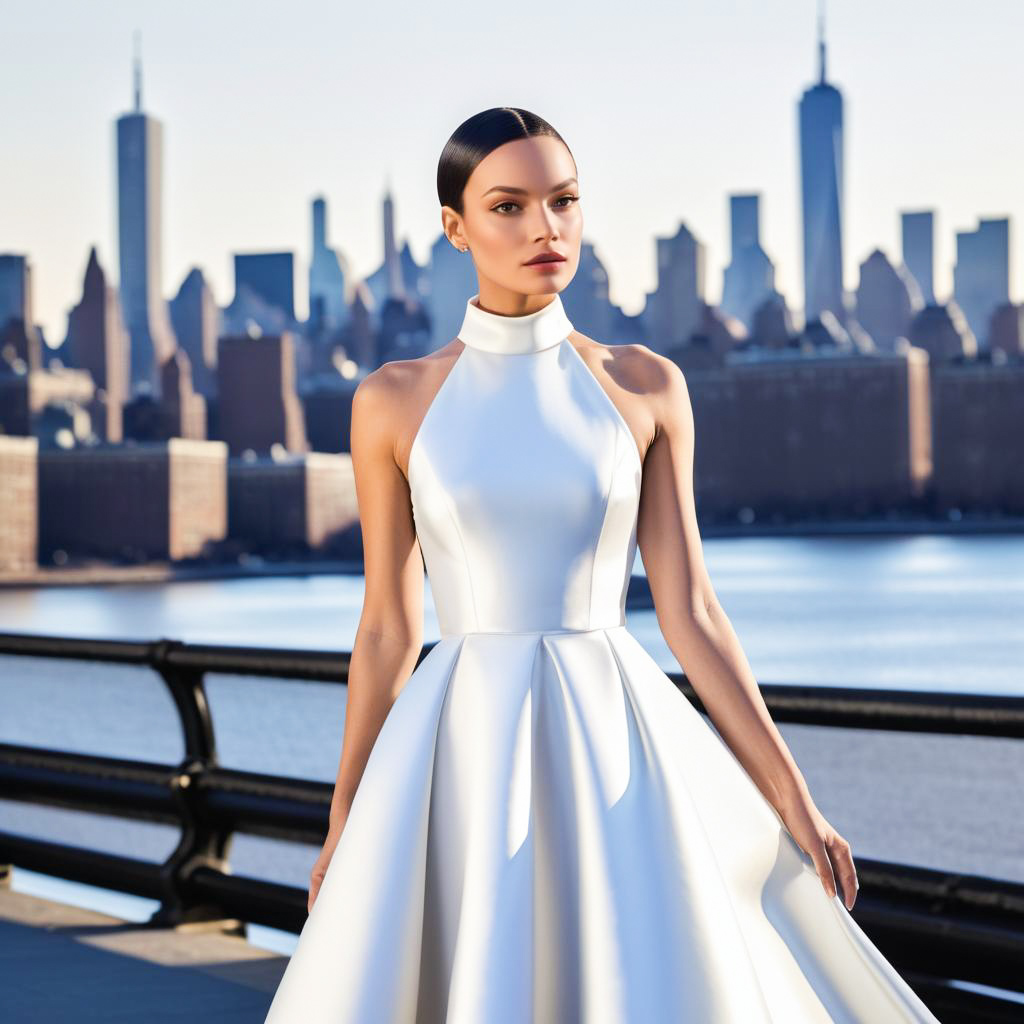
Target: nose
{"x": 547, "y": 228}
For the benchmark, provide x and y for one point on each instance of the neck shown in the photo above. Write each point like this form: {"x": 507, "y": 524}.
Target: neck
{"x": 514, "y": 335}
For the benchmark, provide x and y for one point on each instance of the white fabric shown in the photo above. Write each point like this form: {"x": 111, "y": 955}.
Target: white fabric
{"x": 546, "y": 830}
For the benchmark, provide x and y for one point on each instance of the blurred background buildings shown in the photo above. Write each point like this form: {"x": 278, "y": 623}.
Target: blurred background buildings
{"x": 173, "y": 428}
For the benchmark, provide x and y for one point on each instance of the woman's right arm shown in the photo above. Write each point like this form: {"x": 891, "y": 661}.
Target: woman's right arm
{"x": 389, "y": 636}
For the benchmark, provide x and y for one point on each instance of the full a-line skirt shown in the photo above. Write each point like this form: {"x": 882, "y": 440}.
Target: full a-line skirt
{"x": 548, "y": 832}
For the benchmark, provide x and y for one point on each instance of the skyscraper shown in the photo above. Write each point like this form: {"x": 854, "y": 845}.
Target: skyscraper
{"x": 270, "y": 276}
{"x": 16, "y": 304}
{"x": 981, "y": 276}
{"x": 750, "y": 276}
{"x": 392, "y": 258}
{"x": 918, "y": 250}
{"x": 887, "y": 298}
{"x": 821, "y": 170}
{"x": 326, "y": 275}
{"x": 97, "y": 342}
{"x": 675, "y": 308}
{"x": 196, "y": 320}
{"x": 140, "y": 240}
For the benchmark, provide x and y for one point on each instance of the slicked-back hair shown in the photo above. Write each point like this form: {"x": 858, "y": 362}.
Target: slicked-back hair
{"x": 475, "y": 138}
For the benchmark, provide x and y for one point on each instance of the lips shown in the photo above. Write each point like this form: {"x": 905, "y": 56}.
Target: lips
{"x": 546, "y": 257}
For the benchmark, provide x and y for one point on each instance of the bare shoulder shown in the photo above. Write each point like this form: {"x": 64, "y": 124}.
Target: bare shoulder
{"x": 633, "y": 365}
{"x": 643, "y": 385}
{"x": 389, "y": 403}
{"x": 391, "y": 387}
{"x": 646, "y": 383}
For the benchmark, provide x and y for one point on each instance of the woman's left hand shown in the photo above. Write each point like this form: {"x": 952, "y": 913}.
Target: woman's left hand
{"x": 830, "y": 852}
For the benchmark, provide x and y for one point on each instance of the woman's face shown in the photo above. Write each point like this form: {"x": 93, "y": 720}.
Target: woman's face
{"x": 521, "y": 200}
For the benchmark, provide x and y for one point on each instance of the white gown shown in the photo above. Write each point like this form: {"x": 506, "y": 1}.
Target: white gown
{"x": 546, "y": 830}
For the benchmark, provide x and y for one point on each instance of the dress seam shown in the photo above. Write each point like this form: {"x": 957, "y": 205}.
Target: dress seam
{"x": 534, "y": 632}
{"x": 604, "y": 526}
{"x": 465, "y": 554}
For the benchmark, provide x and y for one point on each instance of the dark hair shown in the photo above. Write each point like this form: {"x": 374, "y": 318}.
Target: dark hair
{"x": 478, "y": 136}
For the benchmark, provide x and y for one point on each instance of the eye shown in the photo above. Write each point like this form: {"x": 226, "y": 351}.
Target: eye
{"x": 559, "y": 204}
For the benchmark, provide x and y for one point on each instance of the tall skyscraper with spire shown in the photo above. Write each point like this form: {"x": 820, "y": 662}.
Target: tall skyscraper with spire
{"x": 140, "y": 240}
{"x": 821, "y": 170}
{"x": 392, "y": 257}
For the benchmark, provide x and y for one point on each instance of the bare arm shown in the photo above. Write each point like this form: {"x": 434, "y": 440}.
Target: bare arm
{"x": 701, "y": 637}
{"x": 389, "y": 636}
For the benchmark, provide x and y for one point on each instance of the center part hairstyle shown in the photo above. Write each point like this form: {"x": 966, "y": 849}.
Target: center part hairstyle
{"x": 478, "y": 136}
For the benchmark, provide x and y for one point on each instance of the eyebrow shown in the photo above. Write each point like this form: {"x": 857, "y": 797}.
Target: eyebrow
{"x": 525, "y": 192}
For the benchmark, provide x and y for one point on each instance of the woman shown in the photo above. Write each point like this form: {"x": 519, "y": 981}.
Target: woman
{"x": 535, "y": 825}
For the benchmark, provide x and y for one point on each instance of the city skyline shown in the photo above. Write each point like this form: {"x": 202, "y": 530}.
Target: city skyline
{"x": 364, "y": 248}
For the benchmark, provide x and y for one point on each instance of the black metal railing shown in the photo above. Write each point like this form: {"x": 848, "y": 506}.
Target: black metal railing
{"x": 932, "y": 925}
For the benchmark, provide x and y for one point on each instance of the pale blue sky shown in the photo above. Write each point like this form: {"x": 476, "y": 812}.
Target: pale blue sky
{"x": 667, "y": 107}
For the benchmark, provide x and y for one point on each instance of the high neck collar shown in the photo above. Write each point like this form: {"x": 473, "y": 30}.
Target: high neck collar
{"x": 514, "y": 335}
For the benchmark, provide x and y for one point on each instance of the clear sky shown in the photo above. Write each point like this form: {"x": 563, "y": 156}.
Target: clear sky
{"x": 667, "y": 106}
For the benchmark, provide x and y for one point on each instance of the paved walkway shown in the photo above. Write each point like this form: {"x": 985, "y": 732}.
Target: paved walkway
{"x": 64, "y": 965}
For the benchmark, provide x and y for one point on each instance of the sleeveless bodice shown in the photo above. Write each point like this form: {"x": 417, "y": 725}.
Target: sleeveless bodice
{"x": 525, "y": 483}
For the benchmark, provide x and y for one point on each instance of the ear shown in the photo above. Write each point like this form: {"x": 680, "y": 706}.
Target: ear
{"x": 451, "y": 224}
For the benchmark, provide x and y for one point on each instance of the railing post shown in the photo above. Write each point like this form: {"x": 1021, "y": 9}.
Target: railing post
{"x": 201, "y": 843}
